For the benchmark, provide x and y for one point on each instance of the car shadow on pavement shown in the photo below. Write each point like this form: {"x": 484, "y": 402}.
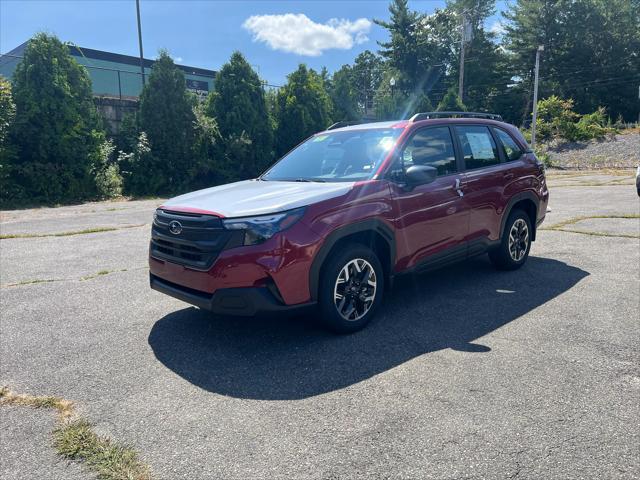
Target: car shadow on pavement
{"x": 294, "y": 358}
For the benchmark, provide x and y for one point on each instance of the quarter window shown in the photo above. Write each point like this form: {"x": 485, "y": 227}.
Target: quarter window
{"x": 432, "y": 147}
{"x": 510, "y": 148}
{"x": 478, "y": 147}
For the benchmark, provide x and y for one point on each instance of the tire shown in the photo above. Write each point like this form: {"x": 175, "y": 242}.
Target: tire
{"x": 515, "y": 244}
{"x": 348, "y": 312}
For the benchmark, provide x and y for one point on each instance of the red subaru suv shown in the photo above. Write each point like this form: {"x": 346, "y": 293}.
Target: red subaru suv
{"x": 337, "y": 218}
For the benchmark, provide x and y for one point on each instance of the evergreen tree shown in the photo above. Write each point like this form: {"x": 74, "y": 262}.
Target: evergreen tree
{"x": 421, "y": 51}
{"x": 487, "y": 73}
{"x": 57, "y": 131}
{"x": 167, "y": 118}
{"x": 367, "y": 72}
{"x": 451, "y": 102}
{"x": 239, "y": 107}
{"x": 403, "y": 52}
{"x": 343, "y": 95}
{"x": 303, "y": 108}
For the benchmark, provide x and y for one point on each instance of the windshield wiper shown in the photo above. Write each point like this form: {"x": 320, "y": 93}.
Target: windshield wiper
{"x": 308, "y": 180}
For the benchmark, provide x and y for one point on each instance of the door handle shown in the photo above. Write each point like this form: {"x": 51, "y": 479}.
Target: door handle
{"x": 458, "y": 188}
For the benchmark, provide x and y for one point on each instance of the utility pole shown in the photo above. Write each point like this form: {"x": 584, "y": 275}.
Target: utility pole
{"x": 140, "y": 41}
{"x": 465, "y": 36}
{"x": 535, "y": 96}
{"x": 462, "y": 37}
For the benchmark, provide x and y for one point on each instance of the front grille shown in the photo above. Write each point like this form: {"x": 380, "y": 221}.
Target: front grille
{"x": 198, "y": 243}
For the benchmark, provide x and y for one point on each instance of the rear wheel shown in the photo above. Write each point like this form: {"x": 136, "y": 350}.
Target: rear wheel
{"x": 515, "y": 244}
{"x": 351, "y": 289}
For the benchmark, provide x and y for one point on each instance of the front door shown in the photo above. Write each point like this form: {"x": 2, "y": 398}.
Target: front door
{"x": 432, "y": 219}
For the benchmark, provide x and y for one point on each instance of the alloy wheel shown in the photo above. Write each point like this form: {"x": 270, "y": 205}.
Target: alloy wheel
{"x": 518, "y": 240}
{"x": 355, "y": 289}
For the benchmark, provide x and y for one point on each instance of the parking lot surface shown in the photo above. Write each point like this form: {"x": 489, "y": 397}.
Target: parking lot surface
{"x": 467, "y": 372}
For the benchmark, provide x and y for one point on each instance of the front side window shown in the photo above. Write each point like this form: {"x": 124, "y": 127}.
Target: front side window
{"x": 432, "y": 147}
{"x": 510, "y": 148}
{"x": 478, "y": 147}
{"x": 346, "y": 156}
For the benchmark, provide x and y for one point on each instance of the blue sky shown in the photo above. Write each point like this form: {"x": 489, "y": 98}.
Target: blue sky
{"x": 275, "y": 36}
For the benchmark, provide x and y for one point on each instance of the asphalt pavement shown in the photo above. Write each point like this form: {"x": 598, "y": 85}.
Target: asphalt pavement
{"x": 467, "y": 372}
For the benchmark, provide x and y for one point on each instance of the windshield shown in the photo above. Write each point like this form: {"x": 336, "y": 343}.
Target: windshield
{"x": 346, "y": 156}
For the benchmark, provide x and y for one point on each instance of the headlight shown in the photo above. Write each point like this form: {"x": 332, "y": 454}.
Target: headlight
{"x": 258, "y": 229}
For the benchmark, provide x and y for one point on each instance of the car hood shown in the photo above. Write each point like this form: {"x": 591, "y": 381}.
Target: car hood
{"x": 256, "y": 197}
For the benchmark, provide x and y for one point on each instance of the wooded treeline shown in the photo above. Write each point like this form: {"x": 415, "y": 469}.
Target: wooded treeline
{"x": 53, "y": 145}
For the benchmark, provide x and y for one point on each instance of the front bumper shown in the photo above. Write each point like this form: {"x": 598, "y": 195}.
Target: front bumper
{"x": 241, "y": 301}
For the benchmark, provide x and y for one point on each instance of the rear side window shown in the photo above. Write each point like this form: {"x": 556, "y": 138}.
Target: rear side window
{"x": 478, "y": 147}
{"x": 510, "y": 148}
{"x": 432, "y": 147}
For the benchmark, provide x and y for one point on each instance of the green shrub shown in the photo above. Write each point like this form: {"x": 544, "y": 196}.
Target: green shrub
{"x": 107, "y": 172}
{"x": 594, "y": 125}
{"x": 556, "y": 119}
{"x": 211, "y": 165}
{"x": 142, "y": 171}
{"x": 8, "y": 190}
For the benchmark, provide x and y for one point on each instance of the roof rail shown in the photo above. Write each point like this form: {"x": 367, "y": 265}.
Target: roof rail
{"x": 343, "y": 124}
{"x": 428, "y": 115}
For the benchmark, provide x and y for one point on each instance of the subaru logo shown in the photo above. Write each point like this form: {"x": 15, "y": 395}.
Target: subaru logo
{"x": 175, "y": 227}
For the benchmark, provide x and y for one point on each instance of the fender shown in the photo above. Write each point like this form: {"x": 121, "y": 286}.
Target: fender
{"x": 370, "y": 225}
{"x": 527, "y": 195}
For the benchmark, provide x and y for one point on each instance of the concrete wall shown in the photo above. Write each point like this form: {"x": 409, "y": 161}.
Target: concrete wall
{"x": 113, "y": 111}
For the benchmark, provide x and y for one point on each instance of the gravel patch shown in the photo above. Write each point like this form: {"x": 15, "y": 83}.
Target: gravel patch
{"x": 622, "y": 151}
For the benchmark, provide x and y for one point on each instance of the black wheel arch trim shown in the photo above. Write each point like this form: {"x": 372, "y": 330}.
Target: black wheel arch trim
{"x": 518, "y": 197}
{"x": 372, "y": 225}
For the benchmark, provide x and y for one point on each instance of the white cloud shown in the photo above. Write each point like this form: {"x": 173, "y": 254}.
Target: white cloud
{"x": 178, "y": 59}
{"x": 297, "y": 33}
{"x": 497, "y": 27}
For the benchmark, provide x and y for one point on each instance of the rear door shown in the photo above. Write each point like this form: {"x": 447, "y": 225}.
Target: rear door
{"x": 485, "y": 178}
{"x": 431, "y": 219}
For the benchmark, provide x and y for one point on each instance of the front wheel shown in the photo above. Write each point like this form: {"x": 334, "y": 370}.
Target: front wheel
{"x": 351, "y": 289}
{"x": 515, "y": 244}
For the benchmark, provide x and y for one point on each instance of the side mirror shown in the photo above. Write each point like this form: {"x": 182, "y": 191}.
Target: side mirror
{"x": 420, "y": 175}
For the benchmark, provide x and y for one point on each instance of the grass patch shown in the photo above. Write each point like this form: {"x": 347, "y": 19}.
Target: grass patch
{"x": 32, "y": 282}
{"x": 69, "y": 233}
{"x": 594, "y": 234}
{"x": 101, "y": 273}
{"x": 571, "y": 221}
{"x": 98, "y": 274}
{"x": 63, "y": 407}
{"x": 565, "y": 185}
{"x": 561, "y": 226}
{"x": 74, "y": 439}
